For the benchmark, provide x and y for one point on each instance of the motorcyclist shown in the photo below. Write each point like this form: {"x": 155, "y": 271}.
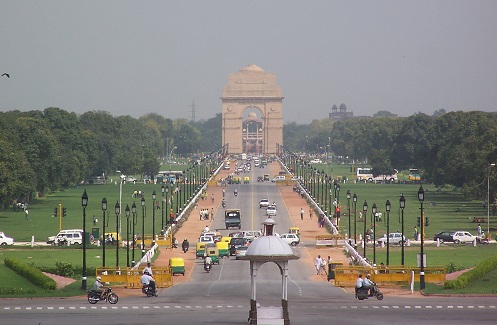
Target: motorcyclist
{"x": 223, "y": 203}
{"x": 99, "y": 287}
{"x": 185, "y": 245}
{"x": 368, "y": 284}
{"x": 236, "y": 192}
{"x": 207, "y": 261}
{"x": 224, "y": 192}
{"x": 146, "y": 279}
{"x": 359, "y": 282}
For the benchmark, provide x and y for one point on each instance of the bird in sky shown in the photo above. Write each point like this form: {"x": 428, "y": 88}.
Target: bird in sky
{"x": 6, "y": 74}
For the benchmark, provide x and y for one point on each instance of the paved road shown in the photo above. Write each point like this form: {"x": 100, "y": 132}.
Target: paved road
{"x": 222, "y": 296}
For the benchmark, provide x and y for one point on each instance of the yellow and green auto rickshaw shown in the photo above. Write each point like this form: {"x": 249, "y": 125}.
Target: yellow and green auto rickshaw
{"x": 266, "y": 177}
{"x": 200, "y": 250}
{"x": 177, "y": 265}
{"x": 237, "y": 180}
{"x": 224, "y": 248}
{"x": 246, "y": 180}
{"x": 294, "y": 230}
{"x": 212, "y": 251}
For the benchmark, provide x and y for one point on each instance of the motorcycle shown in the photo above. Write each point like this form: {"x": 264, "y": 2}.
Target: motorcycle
{"x": 147, "y": 290}
{"x": 185, "y": 247}
{"x": 108, "y": 296}
{"x": 362, "y": 294}
{"x": 223, "y": 203}
{"x": 207, "y": 267}
{"x": 236, "y": 193}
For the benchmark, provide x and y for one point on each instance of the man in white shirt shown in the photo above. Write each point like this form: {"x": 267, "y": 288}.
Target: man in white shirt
{"x": 359, "y": 282}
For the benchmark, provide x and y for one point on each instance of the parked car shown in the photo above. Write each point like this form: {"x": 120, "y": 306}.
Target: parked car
{"x": 240, "y": 251}
{"x": 271, "y": 210}
{"x": 264, "y": 203}
{"x": 4, "y": 240}
{"x": 394, "y": 238}
{"x": 444, "y": 236}
{"x": 463, "y": 237}
{"x": 290, "y": 239}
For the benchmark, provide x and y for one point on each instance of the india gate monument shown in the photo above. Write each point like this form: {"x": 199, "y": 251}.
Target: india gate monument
{"x": 252, "y": 112}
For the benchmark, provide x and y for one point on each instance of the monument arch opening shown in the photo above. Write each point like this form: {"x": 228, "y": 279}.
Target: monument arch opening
{"x": 252, "y": 116}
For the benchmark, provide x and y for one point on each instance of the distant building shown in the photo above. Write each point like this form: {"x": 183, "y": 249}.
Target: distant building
{"x": 340, "y": 114}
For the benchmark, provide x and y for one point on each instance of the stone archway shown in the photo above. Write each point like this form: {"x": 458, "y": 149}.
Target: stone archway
{"x": 254, "y": 89}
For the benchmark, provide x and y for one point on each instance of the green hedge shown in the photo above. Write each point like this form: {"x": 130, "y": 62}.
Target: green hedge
{"x": 31, "y": 273}
{"x": 480, "y": 270}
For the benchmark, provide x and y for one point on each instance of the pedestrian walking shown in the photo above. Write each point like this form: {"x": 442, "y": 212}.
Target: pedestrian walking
{"x": 317, "y": 264}
{"x": 212, "y": 213}
{"x": 26, "y": 213}
{"x": 323, "y": 266}
{"x": 478, "y": 230}
{"x": 416, "y": 233}
{"x": 212, "y": 198}
{"x": 302, "y": 213}
{"x": 310, "y": 213}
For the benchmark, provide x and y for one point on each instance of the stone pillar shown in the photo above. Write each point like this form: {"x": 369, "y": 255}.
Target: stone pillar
{"x": 286, "y": 316}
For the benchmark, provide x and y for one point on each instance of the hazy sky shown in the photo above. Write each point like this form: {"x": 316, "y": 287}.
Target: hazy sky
{"x": 137, "y": 57}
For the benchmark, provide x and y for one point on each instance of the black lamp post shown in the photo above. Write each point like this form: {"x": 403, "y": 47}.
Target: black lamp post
{"x": 143, "y": 226}
{"x": 354, "y": 199}
{"x": 84, "y": 203}
{"x": 177, "y": 198}
{"x": 373, "y": 213}
{"x": 154, "y": 196}
{"x": 135, "y": 220}
{"x": 162, "y": 189}
{"x": 388, "y": 207}
{"x": 167, "y": 210}
{"x": 348, "y": 209}
{"x": 402, "y": 203}
{"x": 364, "y": 218}
{"x": 421, "y": 198}
{"x": 118, "y": 212}
{"x": 104, "y": 209}
{"x": 127, "y": 212}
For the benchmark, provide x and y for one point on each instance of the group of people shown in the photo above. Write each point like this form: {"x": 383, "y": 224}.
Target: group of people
{"x": 321, "y": 264}
{"x": 204, "y": 214}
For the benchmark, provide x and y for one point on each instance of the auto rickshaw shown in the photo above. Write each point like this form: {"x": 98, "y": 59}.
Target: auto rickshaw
{"x": 246, "y": 180}
{"x": 177, "y": 265}
{"x": 266, "y": 177}
{"x": 200, "y": 250}
{"x": 224, "y": 248}
{"x": 237, "y": 180}
{"x": 225, "y": 239}
{"x": 212, "y": 251}
{"x": 294, "y": 230}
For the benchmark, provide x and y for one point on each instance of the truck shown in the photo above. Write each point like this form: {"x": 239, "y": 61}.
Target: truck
{"x": 233, "y": 218}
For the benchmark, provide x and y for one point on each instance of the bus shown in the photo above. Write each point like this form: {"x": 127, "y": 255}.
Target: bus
{"x": 414, "y": 175}
{"x": 366, "y": 174}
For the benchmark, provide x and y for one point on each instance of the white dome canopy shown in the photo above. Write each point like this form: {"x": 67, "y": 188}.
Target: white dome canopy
{"x": 270, "y": 246}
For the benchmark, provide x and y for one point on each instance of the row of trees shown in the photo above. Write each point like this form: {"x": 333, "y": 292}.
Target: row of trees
{"x": 453, "y": 148}
{"x": 49, "y": 150}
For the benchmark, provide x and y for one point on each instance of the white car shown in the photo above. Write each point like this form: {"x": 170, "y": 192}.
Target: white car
{"x": 271, "y": 211}
{"x": 264, "y": 203}
{"x": 463, "y": 237}
{"x": 394, "y": 238}
{"x": 4, "y": 240}
{"x": 290, "y": 239}
{"x": 316, "y": 161}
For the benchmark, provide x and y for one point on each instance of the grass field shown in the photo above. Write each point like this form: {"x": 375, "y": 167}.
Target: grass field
{"x": 448, "y": 211}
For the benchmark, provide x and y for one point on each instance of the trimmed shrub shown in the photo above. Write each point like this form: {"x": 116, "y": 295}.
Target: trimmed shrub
{"x": 476, "y": 273}
{"x": 31, "y": 273}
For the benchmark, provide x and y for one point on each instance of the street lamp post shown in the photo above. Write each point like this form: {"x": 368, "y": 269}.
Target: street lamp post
{"x": 143, "y": 225}
{"x": 388, "y": 207}
{"x": 162, "y": 189}
{"x": 364, "y": 218}
{"x": 127, "y": 211}
{"x": 402, "y": 202}
{"x": 348, "y": 209}
{"x": 84, "y": 204}
{"x": 354, "y": 199}
{"x": 167, "y": 210}
{"x": 118, "y": 212}
{"x": 373, "y": 214}
{"x": 135, "y": 220}
{"x": 104, "y": 209}
{"x": 488, "y": 199}
{"x": 421, "y": 198}
{"x": 154, "y": 196}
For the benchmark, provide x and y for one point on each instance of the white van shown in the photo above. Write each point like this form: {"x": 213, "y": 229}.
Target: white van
{"x": 279, "y": 178}
{"x": 69, "y": 236}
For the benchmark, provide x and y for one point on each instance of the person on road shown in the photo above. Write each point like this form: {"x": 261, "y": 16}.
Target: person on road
{"x": 99, "y": 287}
{"x": 185, "y": 245}
{"x": 148, "y": 269}
{"x": 206, "y": 229}
{"x": 368, "y": 284}
{"x": 310, "y": 213}
{"x": 301, "y": 213}
{"x": 148, "y": 280}
{"x": 358, "y": 283}
{"x": 212, "y": 198}
{"x": 317, "y": 264}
